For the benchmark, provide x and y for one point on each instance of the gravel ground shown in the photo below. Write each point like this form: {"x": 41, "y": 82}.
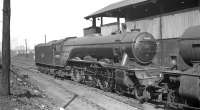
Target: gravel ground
{"x": 25, "y": 96}
{"x": 63, "y": 92}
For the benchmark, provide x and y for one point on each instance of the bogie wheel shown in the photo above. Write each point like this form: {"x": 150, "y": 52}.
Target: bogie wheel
{"x": 138, "y": 92}
{"x": 76, "y": 75}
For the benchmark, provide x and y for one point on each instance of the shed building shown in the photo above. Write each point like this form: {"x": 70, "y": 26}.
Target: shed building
{"x": 165, "y": 19}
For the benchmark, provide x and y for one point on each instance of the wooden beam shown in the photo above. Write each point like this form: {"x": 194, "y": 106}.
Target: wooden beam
{"x": 5, "y": 75}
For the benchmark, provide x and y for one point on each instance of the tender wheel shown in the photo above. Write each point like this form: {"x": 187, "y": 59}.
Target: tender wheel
{"x": 76, "y": 75}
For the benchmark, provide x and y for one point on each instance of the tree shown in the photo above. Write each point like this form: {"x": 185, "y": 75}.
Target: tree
{"x": 5, "y": 74}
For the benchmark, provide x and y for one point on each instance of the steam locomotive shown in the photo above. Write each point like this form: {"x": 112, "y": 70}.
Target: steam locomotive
{"x": 123, "y": 63}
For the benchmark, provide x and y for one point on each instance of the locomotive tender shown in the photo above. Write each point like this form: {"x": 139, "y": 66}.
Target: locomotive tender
{"x": 123, "y": 63}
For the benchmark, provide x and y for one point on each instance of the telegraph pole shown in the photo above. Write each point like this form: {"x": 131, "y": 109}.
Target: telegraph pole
{"x": 45, "y": 39}
{"x": 26, "y": 47}
{"x": 5, "y": 74}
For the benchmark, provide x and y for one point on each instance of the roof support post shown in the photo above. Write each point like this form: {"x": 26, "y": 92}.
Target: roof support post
{"x": 101, "y": 21}
{"x": 160, "y": 6}
{"x": 118, "y": 24}
{"x": 93, "y": 22}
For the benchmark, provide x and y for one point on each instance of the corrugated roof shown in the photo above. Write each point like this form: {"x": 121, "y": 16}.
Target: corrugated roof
{"x": 114, "y": 6}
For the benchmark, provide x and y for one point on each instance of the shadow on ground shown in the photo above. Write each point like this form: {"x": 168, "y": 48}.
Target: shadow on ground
{"x": 28, "y": 94}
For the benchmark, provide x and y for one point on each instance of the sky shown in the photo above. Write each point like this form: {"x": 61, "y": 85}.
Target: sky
{"x": 57, "y": 19}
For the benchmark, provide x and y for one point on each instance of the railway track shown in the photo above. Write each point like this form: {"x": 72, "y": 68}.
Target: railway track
{"x": 75, "y": 96}
{"x": 123, "y": 99}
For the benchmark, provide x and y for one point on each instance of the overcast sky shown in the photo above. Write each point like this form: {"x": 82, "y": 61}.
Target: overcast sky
{"x": 32, "y": 19}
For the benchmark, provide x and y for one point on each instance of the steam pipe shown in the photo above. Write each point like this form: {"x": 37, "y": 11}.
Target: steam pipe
{"x": 124, "y": 59}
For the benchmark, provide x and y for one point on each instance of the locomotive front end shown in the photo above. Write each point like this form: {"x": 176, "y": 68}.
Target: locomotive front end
{"x": 140, "y": 78}
{"x": 143, "y": 47}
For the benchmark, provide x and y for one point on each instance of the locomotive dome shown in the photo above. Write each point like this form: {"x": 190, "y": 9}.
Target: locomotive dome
{"x": 190, "y": 46}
